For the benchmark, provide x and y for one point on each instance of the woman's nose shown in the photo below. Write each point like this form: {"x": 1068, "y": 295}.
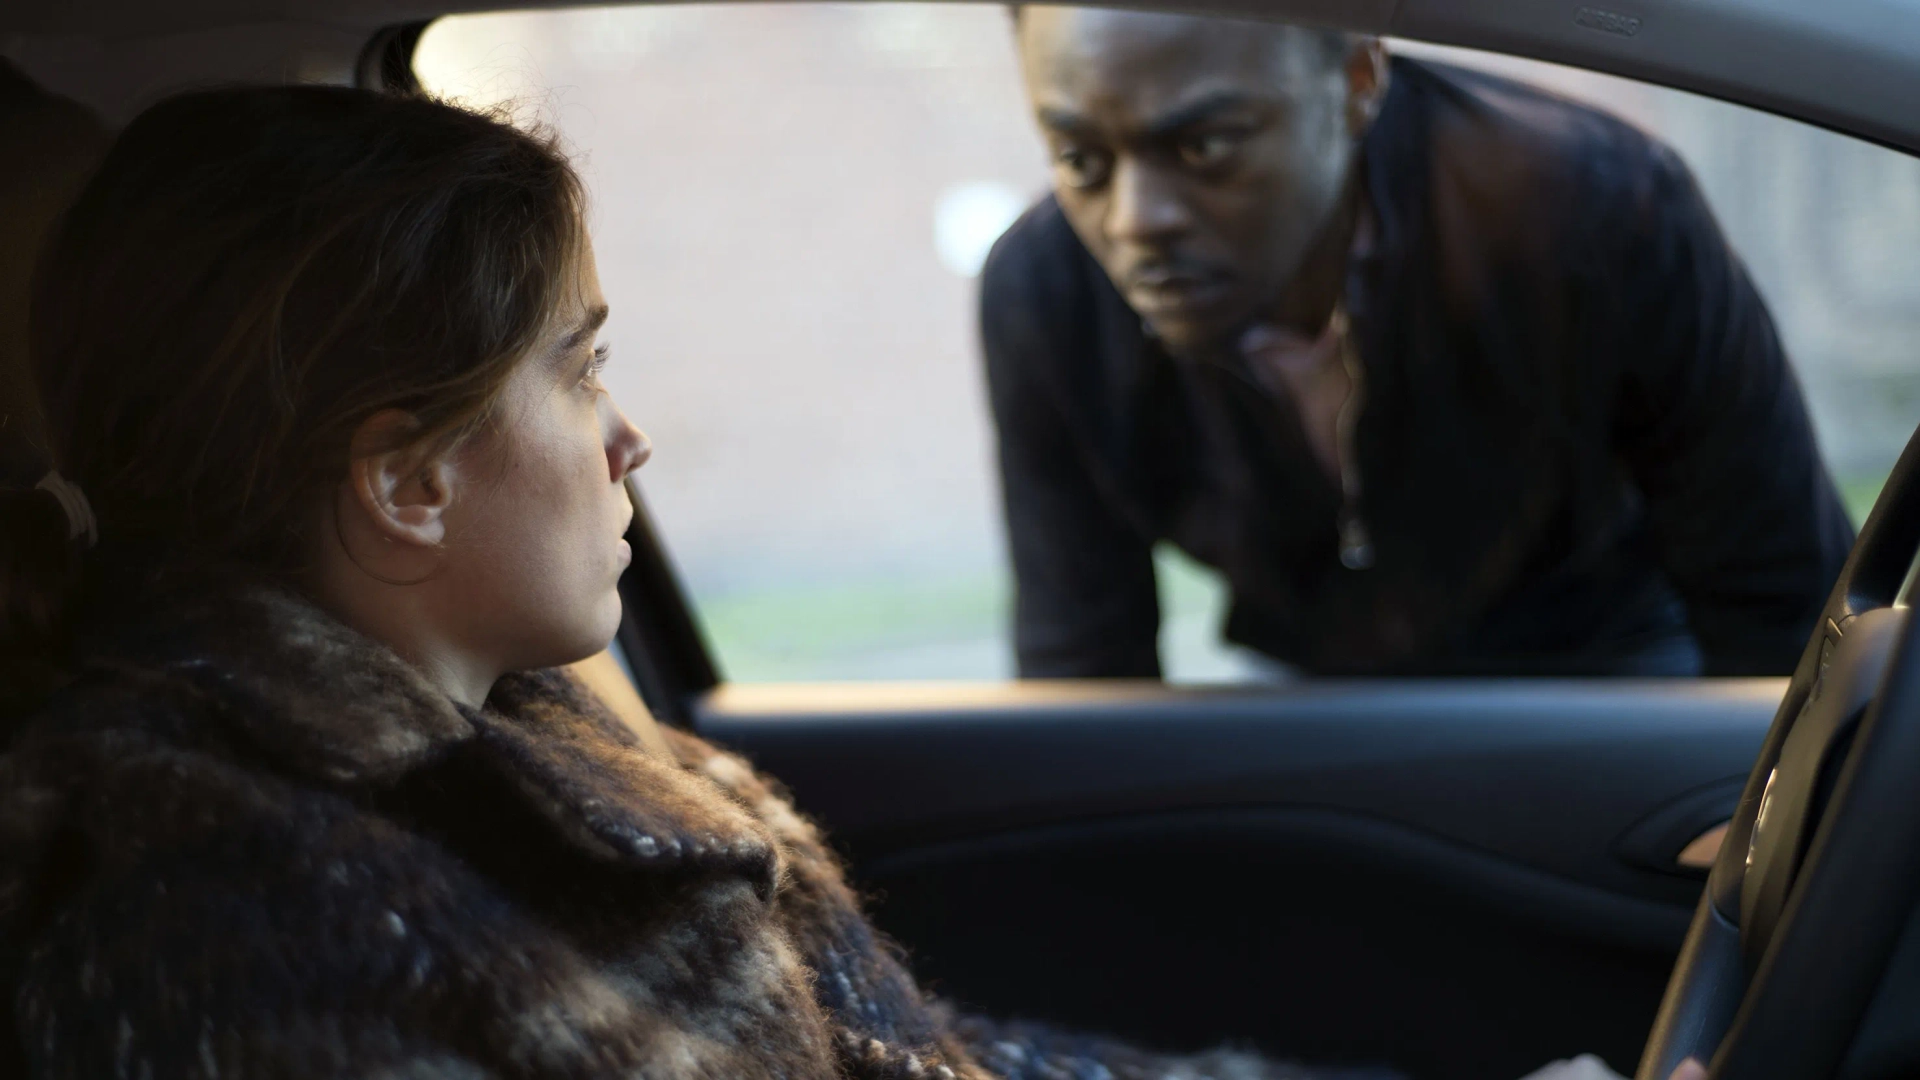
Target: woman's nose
{"x": 628, "y": 447}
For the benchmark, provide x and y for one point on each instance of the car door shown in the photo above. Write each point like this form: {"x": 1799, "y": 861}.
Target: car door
{"x": 1452, "y": 877}
{"x": 1460, "y": 879}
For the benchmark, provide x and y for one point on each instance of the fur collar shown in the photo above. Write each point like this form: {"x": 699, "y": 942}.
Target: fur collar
{"x": 317, "y": 697}
{"x": 319, "y": 700}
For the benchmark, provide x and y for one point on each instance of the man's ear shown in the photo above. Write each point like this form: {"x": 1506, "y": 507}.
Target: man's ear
{"x": 1367, "y": 78}
{"x": 403, "y": 489}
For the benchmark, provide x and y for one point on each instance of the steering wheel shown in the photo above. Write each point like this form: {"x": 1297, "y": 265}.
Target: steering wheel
{"x": 1817, "y": 879}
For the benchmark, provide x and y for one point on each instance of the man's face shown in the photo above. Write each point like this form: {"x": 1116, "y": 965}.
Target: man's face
{"x": 1198, "y": 159}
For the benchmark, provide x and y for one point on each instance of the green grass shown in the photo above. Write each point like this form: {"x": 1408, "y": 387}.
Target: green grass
{"x": 1187, "y": 587}
{"x": 1859, "y": 493}
{"x": 864, "y": 628}
{"x": 799, "y": 633}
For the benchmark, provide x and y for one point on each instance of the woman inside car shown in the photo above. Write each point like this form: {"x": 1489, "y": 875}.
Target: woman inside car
{"x": 294, "y": 783}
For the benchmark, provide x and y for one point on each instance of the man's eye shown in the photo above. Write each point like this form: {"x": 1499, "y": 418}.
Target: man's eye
{"x": 1082, "y": 168}
{"x": 1210, "y": 148}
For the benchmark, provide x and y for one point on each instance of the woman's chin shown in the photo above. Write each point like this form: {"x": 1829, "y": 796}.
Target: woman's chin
{"x": 606, "y": 624}
{"x": 562, "y": 635}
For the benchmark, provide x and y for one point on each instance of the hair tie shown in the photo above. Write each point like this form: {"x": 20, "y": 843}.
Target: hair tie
{"x": 80, "y": 520}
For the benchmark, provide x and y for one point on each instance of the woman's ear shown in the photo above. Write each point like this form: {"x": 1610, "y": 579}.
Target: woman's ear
{"x": 403, "y": 494}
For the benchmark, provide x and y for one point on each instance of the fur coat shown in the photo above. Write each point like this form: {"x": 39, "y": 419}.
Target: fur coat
{"x": 250, "y": 842}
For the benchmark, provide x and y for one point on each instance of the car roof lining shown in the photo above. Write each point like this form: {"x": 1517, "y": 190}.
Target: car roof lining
{"x": 1850, "y": 65}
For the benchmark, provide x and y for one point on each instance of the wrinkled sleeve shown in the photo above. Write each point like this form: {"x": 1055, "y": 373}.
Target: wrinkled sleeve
{"x": 1085, "y": 603}
{"x": 1713, "y": 427}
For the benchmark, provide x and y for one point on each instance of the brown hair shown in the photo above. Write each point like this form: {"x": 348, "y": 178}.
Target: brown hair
{"x": 248, "y": 276}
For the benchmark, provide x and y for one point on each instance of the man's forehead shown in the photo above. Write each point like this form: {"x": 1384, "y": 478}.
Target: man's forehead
{"x": 1078, "y": 58}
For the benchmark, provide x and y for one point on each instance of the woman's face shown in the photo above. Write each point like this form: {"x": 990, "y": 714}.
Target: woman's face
{"x": 533, "y": 556}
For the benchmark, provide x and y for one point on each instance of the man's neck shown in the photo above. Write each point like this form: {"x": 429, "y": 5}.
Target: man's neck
{"x": 1315, "y": 290}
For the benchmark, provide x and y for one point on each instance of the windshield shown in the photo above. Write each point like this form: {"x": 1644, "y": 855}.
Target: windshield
{"x": 792, "y": 203}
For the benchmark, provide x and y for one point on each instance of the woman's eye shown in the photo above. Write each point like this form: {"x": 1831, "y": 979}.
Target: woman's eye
{"x": 596, "y": 366}
{"x": 1210, "y": 148}
{"x": 1082, "y": 168}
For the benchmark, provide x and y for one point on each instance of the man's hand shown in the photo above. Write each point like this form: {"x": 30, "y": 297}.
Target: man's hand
{"x": 1584, "y": 1067}
{"x": 1590, "y": 1067}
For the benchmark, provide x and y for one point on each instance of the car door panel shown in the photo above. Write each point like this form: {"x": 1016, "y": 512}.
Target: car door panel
{"x": 1450, "y": 876}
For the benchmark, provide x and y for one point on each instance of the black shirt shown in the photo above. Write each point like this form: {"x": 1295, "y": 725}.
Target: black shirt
{"x": 1582, "y": 449}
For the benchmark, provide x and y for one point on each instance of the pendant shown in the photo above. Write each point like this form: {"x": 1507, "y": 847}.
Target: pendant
{"x": 1356, "y": 547}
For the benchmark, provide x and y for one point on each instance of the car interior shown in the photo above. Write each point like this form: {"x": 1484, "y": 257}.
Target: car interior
{"x": 1455, "y": 878}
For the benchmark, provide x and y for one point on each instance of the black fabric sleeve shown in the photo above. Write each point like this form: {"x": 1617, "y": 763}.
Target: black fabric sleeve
{"x": 1713, "y": 427}
{"x": 1085, "y": 603}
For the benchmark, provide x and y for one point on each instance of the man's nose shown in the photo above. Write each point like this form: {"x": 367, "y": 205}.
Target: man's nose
{"x": 1146, "y": 207}
{"x": 628, "y": 447}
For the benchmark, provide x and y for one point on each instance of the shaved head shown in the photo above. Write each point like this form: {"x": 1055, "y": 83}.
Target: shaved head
{"x": 1312, "y": 47}
{"x": 1198, "y": 159}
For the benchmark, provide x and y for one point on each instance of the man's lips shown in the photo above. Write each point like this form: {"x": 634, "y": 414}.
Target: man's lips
{"x": 1175, "y": 293}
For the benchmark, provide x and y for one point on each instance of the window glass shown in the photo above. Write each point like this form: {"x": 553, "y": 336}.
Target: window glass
{"x": 790, "y": 203}
{"x": 1827, "y": 226}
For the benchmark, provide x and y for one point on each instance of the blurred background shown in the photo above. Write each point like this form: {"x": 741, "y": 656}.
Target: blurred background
{"x": 791, "y": 202}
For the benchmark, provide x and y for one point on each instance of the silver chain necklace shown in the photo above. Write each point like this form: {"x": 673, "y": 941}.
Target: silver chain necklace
{"x": 1356, "y": 543}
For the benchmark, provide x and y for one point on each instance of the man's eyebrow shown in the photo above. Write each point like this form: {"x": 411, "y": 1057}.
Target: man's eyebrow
{"x": 1201, "y": 109}
{"x": 1062, "y": 120}
{"x": 588, "y": 327}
